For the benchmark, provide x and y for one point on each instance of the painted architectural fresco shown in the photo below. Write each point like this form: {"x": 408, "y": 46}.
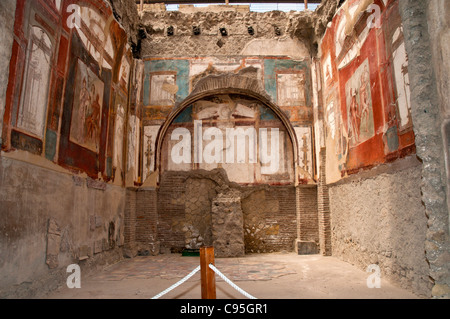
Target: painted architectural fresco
{"x": 225, "y": 133}
{"x": 64, "y": 75}
{"x": 365, "y": 92}
{"x": 32, "y": 113}
{"x": 167, "y": 82}
{"x": 149, "y": 142}
{"x": 133, "y": 140}
{"x": 31, "y": 80}
{"x": 119, "y": 130}
{"x": 288, "y": 82}
{"x": 306, "y": 163}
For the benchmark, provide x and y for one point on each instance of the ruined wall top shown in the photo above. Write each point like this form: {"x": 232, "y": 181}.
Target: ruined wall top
{"x": 222, "y": 30}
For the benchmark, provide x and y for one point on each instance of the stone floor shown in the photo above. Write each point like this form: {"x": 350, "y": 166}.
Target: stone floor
{"x": 265, "y": 276}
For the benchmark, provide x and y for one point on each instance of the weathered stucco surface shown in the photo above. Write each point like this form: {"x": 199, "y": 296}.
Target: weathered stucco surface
{"x": 51, "y": 219}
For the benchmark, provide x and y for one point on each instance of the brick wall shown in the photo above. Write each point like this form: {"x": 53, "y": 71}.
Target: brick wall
{"x": 269, "y": 212}
{"x": 163, "y": 220}
{"x": 286, "y": 217}
{"x": 171, "y": 210}
{"x": 308, "y": 223}
{"x": 323, "y": 205}
{"x": 141, "y": 219}
{"x": 130, "y": 223}
{"x": 269, "y": 218}
{"x": 147, "y": 221}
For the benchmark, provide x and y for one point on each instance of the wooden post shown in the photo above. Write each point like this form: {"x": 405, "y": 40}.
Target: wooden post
{"x": 208, "y": 276}
{"x": 306, "y": 4}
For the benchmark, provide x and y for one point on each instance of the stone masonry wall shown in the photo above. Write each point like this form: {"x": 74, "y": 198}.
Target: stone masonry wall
{"x": 438, "y": 239}
{"x": 227, "y": 225}
{"x": 374, "y": 221}
{"x": 277, "y": 26}
{"x": 247, "y": 33}
{"x": 424, "y": 31}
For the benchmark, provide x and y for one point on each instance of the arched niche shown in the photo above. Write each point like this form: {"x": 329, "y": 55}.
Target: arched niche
{"x": 228, "y": 101}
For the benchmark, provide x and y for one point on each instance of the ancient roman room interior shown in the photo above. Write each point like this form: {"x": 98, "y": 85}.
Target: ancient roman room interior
{"x": 130, "y": 129}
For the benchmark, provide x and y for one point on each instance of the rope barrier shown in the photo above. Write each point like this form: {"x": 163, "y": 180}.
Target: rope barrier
{"x": 217, "y": 271}
{"x": 177, "y": 284}
{"x": 228, "y": 281}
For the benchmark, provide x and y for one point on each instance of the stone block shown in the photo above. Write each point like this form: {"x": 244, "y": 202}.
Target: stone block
{"x": 228, "y": 225}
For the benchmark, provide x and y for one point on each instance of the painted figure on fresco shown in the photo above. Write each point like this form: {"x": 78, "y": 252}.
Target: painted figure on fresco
{"x": 85, "y": 101}
{"x": 93, "y": 119}
{"x": 359, "y": 106}
{"x": 87, "y": 106}
{"x": 148, "y": 155}
{"x": 355, "y": 114}
{"x": 118, "y": 136}
{"x": 364, "y": 96}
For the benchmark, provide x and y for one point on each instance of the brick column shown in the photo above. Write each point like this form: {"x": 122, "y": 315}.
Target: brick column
{"x": 130, "y": 249}
{"x": 147, "y": 221}
{"x": 307, "y": 221}
{"x": 323, "y": 203}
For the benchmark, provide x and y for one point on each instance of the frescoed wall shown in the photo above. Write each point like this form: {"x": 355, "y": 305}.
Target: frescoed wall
{"x": 167, "y": 82}
{"x": 372, "y": 172}
{"x": 66, "y": 112}
{"x": 70, "y": 61}
{"x": 95, "y": 95}
{"x": 366, "y": 89}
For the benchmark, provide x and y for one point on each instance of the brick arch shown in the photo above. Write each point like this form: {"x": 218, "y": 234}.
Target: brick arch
{"x": 244, "y": 83}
